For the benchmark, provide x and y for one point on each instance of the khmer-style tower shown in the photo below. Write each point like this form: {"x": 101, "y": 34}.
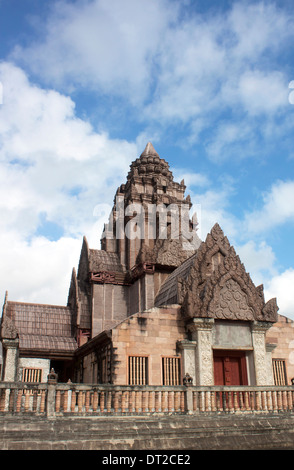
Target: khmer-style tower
{"x": 150, "y": 207}
{"x": 155, "y": 301}
{"x": 149, "y": 234}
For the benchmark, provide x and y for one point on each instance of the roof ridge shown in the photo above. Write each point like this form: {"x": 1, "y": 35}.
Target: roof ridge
{"x": 37, "y": 304}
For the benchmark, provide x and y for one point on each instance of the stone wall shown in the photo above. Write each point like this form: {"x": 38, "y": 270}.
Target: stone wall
{"x": 34, "y": 363}
{"x": 179, "y": 434}
{"x": 154, "y": 334}
{"x": 281, "y": 334}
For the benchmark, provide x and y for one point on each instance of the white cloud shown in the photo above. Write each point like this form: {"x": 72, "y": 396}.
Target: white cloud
{"x": 281, "y": 286}
{"x": 55, "y": 168}
{"x": 259, "y": 260}
{"x": 174, "y": 65}
{"x": 258, "y": 27}
{"x": 189, "y": 59}
{"x": 47, "y": 153}
{"x": 261, "y": 92}
{"x": 277, "y": 208}
{"x": 194, "y": 70}
{"x": 232, "y": 139}
{"x": 212, "y": 206}
{"x": 106, "y": 45}
{"x": 37, "y": 124}
{"x": 191, "y": 178}
{"x": 38, "y": 271}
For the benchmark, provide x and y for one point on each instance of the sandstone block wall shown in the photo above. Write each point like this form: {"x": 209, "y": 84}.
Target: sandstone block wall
{"x": 154, "y": 334}
{"x": 282, "y": 334}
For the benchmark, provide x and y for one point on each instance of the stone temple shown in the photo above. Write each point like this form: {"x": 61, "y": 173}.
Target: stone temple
{"x": 153, "y": 304}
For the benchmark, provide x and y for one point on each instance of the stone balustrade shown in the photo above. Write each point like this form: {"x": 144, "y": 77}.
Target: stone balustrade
{"x": 242, "y": 399}
{"x": 57, "y": 399}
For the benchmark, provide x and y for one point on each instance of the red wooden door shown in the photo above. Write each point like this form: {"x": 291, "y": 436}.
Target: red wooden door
{"x": 230, "y": 368}
{"x": 234, "y": 375}
{"x": 219, "y": 373}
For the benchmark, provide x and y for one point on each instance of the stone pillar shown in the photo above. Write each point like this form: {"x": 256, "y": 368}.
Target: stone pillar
{"x": 201, "y": 329}
{"x": 269, "y": 350}
{"x": 10, "y": 349}
{"x": 187, "y": 349}
{"x": 258, "y": 330}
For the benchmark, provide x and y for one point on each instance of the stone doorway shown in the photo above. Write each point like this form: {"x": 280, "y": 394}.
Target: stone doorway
{"x": 230, "y": 368}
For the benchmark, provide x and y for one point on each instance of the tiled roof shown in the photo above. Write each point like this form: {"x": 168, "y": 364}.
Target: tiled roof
{"x": 46, "y": 327}
{"x": 100, "y": 260}
{"x": 48, "y": 343}
{"x": 168, "y": 293}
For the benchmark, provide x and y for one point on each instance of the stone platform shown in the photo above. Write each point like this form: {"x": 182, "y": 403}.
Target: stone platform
{"x": 174, "y": 432}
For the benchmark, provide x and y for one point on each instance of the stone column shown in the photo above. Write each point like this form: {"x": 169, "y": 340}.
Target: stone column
{"x": 258, "y": 330}
{"x": 10, "y": 347}
{"x": 269, "y": 350}
{"x": 201, "y": 329}
{"x": 187, "y": 349}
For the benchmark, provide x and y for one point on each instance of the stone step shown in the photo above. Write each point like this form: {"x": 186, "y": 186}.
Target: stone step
{"x": 148, "y": 432}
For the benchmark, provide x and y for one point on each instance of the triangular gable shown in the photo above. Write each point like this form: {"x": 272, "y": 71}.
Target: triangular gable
{"x": 219, "y": 287}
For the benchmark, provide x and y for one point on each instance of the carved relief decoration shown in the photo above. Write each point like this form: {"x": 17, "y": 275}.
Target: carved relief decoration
{"x": 219, "y": 287}
{"x": 167, "y": 252}
{"x": 102, "y": 277}
{"x": 231, "y": 302}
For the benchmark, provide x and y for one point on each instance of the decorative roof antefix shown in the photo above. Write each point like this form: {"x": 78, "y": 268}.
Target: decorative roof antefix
{"x": 219, "y": 287}
{"x": 8, "y": 329}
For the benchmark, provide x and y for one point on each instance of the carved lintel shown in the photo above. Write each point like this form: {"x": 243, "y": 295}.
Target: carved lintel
{"x": 102, "y": 277}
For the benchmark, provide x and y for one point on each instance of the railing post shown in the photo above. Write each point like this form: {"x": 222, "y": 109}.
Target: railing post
{"x": 51, "y": 392}
{"x": 188, "y": 382}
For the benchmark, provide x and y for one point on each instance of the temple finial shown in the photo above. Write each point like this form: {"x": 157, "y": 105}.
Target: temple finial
{"x": 149, "y": 150}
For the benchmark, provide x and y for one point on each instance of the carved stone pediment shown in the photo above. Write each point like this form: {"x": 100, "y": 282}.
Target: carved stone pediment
{"x": 219, "y": 287}
{"x": 230, "y": 302}
{"x": 167, "y": 252}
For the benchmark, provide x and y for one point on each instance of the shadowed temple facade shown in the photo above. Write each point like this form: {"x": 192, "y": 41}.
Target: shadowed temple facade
{"x": 153, "y": 304}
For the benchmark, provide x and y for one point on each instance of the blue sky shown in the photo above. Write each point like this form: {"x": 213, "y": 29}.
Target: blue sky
{"x": 86, "y": 84}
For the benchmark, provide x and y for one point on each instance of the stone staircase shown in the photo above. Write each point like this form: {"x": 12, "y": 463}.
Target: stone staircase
{"x": 173, "y": 432}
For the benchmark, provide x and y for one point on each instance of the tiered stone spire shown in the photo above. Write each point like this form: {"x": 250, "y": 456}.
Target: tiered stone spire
{"x": 149, "y": 181}
{"x": 150, "y": 164}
